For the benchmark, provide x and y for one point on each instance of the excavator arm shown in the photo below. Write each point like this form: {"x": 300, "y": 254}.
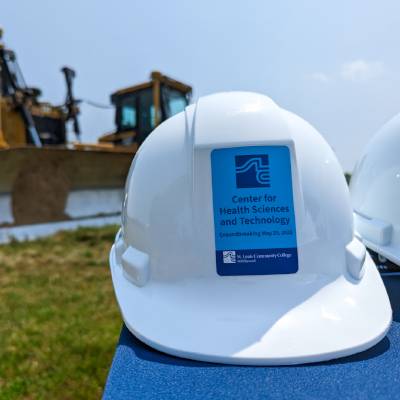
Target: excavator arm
{"x": 10, "y": 77}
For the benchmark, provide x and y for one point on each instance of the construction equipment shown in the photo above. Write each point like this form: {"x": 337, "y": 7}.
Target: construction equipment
{"x": 43, "y": 177}
{"x": 140, "y": 108}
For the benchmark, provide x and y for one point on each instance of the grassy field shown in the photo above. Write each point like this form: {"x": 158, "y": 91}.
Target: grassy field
{"x": 59, "y": 322}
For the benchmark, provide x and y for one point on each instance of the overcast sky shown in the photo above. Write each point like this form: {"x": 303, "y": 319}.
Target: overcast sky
{"x": 334, "y": 63}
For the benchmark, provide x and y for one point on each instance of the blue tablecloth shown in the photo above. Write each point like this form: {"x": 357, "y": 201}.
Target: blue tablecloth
{"x": 139, "y": 372}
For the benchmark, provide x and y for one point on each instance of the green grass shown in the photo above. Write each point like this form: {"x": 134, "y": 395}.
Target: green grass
{"x": 59, "y": 322}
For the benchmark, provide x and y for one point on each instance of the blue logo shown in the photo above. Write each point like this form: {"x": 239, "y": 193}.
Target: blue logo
{"x": 252, "y": 171}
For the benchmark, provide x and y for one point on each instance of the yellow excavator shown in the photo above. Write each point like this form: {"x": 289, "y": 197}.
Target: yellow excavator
{"x": 43, "y": 178}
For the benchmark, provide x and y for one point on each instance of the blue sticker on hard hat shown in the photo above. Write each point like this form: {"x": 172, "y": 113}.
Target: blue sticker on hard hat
{"x": 254, "y": 218}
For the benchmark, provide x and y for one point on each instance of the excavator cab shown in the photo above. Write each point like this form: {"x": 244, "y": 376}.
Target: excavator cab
{"x": 139, "y": 109}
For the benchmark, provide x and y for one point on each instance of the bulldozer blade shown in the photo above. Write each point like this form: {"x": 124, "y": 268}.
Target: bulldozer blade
{"x": 41, "y": 185}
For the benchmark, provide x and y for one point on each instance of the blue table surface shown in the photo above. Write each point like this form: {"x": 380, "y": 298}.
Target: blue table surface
{"x": 139, "y": 372}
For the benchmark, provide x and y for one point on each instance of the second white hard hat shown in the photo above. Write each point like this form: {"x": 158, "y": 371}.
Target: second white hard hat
{"x": 375, "y": 192}
{"x": 237, "y": 241}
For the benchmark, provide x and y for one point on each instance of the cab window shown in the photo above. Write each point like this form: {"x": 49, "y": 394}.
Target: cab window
{"x": 174, "y": 101}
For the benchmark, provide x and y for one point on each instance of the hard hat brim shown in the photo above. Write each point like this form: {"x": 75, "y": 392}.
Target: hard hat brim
{"x": 260, "y": 320}
{"x": 390, "y": 252}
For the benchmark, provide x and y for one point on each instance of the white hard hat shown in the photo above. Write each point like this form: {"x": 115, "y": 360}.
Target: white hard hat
{"x": 375, "y": 192}
{"x": 237, "y": 241}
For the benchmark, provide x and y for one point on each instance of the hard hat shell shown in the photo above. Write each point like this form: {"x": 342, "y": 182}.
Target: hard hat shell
{"x": 317, "y": 298}
{"x": 375, "y": 192}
